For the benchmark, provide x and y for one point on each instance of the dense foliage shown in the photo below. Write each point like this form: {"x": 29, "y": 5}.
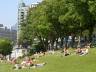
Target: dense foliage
{"x": 5, "y": 47}
{"x": 54, "y": 19}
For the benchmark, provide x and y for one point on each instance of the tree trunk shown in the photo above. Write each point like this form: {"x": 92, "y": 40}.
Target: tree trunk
{"x": 61, "y": 44}
{"x": 56, "y": 44}
{"x": 90, "y": 34}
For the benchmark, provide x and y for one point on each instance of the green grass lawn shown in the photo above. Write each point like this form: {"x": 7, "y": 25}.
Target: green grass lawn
{"x": 59, "y": 63}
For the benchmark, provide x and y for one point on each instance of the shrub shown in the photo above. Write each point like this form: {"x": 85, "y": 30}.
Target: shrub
{"x": 5, "y": 47}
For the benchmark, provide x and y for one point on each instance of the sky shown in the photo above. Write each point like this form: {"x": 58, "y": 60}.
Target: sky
{"x": 9, "y": 11}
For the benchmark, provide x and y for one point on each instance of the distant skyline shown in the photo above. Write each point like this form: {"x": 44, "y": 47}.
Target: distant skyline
{"x": 9, "y": 11}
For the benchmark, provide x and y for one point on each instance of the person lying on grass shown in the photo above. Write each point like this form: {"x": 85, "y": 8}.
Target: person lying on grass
{"x": 27, "y": 63}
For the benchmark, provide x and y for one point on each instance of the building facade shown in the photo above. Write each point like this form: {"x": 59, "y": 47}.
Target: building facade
{"x": 14, "y": 27}
{"x": 22, "y": 15}
{"x": 8, "y": 33}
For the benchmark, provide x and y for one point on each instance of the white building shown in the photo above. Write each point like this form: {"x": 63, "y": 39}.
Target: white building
{"x": 18, "y": 53}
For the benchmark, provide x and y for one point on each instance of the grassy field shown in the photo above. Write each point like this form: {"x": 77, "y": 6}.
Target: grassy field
{"x": 59, "y": 63}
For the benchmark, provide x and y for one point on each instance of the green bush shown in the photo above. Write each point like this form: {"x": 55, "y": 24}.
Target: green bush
{"x": 36, "y": 48}
{"x": 5, "y": 47}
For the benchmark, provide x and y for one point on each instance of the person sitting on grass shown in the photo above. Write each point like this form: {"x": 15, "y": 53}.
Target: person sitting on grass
{"x": 88, "y": 45}
{"x": 51, "y": 51}
{"x": 1, "y": 58}
{"x": 13, "y": 61}
{"x": 41, "y": 54}
{"x": 84, "y": 51}
{"x": 36, "y": 55}
{"x": 66, "y": 52}
{"x": 78, "y": 51}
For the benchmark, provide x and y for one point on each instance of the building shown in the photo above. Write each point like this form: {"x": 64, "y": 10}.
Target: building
{"x": 14, "y": 27}
{"x": 8, "y": 33}
{"x": 23, "y": 11}
{"x": 33, "y": 5}
{"x": 22, "y": 14}
{"x": 1, "y": 25}
{"x": 18, "y": 53}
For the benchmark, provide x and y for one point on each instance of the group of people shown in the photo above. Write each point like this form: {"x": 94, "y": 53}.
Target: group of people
{"x": 27, "y": 63}
{"x": 80, "y": 51}
{"x": 81, "y": 43}
{"x": 38, "y": 54}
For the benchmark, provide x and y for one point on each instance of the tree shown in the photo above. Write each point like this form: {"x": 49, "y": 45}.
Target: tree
{"x": 54, "y": 19}
{"x": 5, "y": 47}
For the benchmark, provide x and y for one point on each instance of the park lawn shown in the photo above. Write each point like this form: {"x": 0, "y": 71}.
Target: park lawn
{"x": 59, "y": 63}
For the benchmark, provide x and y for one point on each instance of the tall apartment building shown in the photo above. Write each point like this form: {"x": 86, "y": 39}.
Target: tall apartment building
{"x": 22, "y": 14}
{"x": 23, "y": 11}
